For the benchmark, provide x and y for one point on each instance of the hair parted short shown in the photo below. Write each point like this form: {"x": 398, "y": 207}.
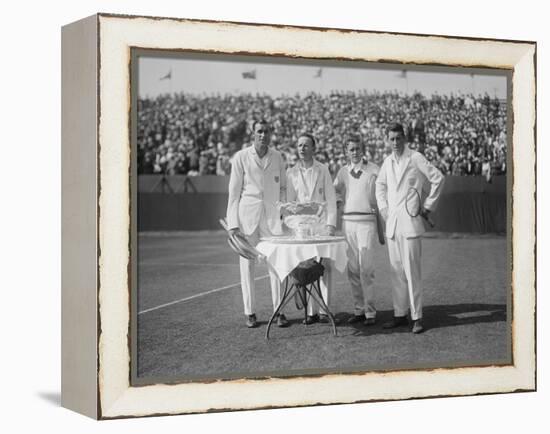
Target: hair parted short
{"x": 396, "y": 128}
{"x": 310, "y": 137}
{"x": 258, "y": 121}
{"x": 354, "y": 139}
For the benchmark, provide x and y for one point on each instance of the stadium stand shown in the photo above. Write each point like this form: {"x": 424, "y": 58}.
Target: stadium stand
{"x": 183, "y": 134}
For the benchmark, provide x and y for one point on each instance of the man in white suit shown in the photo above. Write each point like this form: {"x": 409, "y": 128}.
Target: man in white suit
{"x": 256, "y": 184}
{"x": 354, "y": 183}
{"x": 402, "y": 172}
{"x": 310, "y": 181}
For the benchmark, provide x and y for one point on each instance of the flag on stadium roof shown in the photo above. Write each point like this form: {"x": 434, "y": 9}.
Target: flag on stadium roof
{"x": 251, "y": 75}
{"x": 168, "y": 76}
{"x": 319, "y": 73}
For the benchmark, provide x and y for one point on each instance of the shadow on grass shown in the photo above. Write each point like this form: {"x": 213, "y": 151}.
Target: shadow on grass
{"x": 434, "y": 317}
{"x": 294, "y": 323}
{"x": 463, "y": 314}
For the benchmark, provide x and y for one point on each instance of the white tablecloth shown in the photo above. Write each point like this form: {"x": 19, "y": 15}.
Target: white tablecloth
{"x": 283, "y": 258}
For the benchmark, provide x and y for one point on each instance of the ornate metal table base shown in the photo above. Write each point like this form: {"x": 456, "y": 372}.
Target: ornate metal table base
{"x": 305, "y": 293}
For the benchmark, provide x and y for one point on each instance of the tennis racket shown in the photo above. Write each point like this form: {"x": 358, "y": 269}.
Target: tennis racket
{"x": 413, "y": 205}
{"x": 380, "y": 226}
{"x": 239, "y": 244}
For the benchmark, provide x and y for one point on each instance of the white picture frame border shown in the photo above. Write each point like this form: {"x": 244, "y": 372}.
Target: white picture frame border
{"x": 116, "y": 36}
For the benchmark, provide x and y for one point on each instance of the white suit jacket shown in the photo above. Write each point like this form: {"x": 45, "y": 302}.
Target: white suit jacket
{"x": 323, "y": 190}
{"x": 393, "y": 187}
{"x": 254, "y": 190}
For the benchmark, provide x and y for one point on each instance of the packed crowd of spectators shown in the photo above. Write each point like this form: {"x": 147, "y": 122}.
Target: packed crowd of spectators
{"x": 197, "y": 135}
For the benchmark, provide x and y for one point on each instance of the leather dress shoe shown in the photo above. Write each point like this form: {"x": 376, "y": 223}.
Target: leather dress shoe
{"x": 251, "y": 321}
{"x": 310, "y": 319}
{"x": 397, "y": 321}
{"x": 356, "y": 319}
{"x": 369, "y": 321}
{"x": 282, "y": 321}
{"x": 417, "y": 326}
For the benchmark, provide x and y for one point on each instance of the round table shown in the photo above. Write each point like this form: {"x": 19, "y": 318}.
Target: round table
{"x": 284, "y": 254}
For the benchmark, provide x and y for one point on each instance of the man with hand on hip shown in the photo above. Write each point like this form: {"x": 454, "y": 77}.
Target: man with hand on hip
{"x": 257, "y": 182}
{"x": 355, "y": 183}
{"x": 310, "y": 181}
{"x": 402, "y": 178}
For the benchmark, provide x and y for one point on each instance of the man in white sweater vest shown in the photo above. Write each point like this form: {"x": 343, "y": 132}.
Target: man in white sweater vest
{"x": 355, "y": 183}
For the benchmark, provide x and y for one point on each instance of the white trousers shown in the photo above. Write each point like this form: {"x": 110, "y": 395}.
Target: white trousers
{"x": 361, "y": 236}
{"x": 405, "y": 255}
{"x": 248, "y": 284}
{"x": 326, "y": 288}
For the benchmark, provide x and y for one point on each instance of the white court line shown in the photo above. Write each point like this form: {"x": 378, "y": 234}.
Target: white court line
{"x": 181, "y": 300}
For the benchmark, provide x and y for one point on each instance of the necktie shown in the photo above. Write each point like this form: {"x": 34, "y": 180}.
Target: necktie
{"x": 355, "y": 174}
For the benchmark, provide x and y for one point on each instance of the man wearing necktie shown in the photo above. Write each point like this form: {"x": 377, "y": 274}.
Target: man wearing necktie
{"x": 257, "y": 182}
{"x": 354, "y": 183}
{"x": 310, "y": 181}
{"x": 402, "y": 171}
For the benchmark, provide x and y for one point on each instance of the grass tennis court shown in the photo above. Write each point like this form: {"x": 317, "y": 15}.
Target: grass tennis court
{"x": 191, "y": 323}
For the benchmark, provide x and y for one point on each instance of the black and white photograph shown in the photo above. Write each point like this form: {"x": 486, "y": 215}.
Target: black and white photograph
{"x": 275, "y": 217}
{"x": 299, "y": 217}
